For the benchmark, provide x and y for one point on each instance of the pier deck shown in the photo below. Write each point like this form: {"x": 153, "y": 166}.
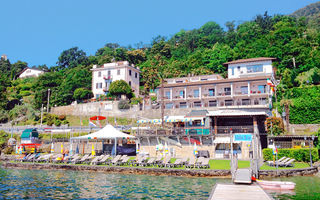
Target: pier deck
{"x": 238, "y": 192}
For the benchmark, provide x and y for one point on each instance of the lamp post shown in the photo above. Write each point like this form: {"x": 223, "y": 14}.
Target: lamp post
{"x": 48, "y": 100}
{"x": 305, "y": 138}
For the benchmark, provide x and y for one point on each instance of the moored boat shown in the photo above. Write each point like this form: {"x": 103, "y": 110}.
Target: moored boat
{"x": 276, "y": 185}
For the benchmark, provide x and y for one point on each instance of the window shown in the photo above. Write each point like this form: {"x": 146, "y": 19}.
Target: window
{"x": 244, "y": 89}
{"x": 196, "y": 93}
{"x": 136, "y": 75}
{"x": 118, "y": 72}
{"x": 212, "y": 103}
{"x": 204, "y": 79}
{"x": 232, "y": 71}
{"x": 227, "y": 91}
{"x": 183, "y": 105}
{"x": 228, "y": 102}
{"x": 129, "y": 72}
{"x": 169, "y": 105}
{"x": 167, "y": 94}
{"x": 179, "y": 81}
{"x": 261, "y": 88}
{"x": 182, "y": 94}
{"x": 254, "y": 68}
{"x": 263, "y": 101}
{"x": 109, "y": 73}
{"x": 130, "y": 83}
{"x": 100, "y": 85}
{"x": 211, "y": 92}
{"x": 245, "y": 102}
{"x": 99, "y": 74}
{"x": 197, "y": 104}
{"x": 97, "y": 85}
{"x": 238, "y": 68}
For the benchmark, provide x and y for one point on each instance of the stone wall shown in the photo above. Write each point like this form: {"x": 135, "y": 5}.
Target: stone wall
{"x": 288, "y": 172}
{"x": 298, "y": 129}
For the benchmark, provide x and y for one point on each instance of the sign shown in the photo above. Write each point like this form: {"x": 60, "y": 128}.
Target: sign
{"x": 243, "y": 137}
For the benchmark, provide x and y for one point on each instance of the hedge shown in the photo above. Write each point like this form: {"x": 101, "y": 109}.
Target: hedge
{"x": 300, "y": 155}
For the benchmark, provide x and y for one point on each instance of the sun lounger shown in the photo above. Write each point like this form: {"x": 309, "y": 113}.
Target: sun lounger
{"x": 165, "y": 162}
{"x": 140, "y": 161}
{"x": 80, "y": 160}
{"x": 279, "y": 163}
{"x": 150, "y": 162}
{"x": 115, "y": 159}
{"x": 205, "y": 163}
{"x": 75, "y": 159}
{"x": 184, "y": 160}
{"x": 40, "y": 157}
{"x": 124, "y": 161}
{"x": 191, "y": 163}
{"x": 177, "y": 163}
{"x": 96, "y": 159}
{"x": 199, "y": 162}
{"x": 289, "y": 163}
{"x": 46, "y": 158}
{"x": 158, "y": 160}
{"x": 271, "y": 162}
{"x": 103, "y": 160}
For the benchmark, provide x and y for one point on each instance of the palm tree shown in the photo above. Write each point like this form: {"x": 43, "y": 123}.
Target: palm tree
{"x": 287, "y": 103}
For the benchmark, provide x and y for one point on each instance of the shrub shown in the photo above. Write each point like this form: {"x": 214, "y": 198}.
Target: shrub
{"x": 120, "y": 87}
{"x": 300, "y": 155}
{"x": 274, "y": 125}
{"x": 8, "y": 150}
{"x": 57, "y": 122}
{"x": 123, "y": 105}
{"x": 136, "y": 100}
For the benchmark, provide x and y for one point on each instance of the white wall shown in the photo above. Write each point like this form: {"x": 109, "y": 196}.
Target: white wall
{"x": 267, "y": 69}
{"x": 31, "y": 73}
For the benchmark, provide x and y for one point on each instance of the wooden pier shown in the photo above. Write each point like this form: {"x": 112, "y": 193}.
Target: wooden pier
{"x": 238, "y": 192}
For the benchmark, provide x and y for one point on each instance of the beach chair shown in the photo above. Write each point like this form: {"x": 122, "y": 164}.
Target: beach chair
{"x": 39, "y": 158}
{"x": 103, "y": 160}
{"x": 58, "y": 158}
{"x": 96, "y": 159}
{"x": 165, "y": 162}
{"x": 279, "y": 163}
{"x": 29, "y": 158}
{"x": 158, "y": 159}
{"x": 177, "y": 163}
{"x": 150, "y": 162}
{"x": 75, "y": 159}
{"x": 191, "y": 163}
{"x": 184, "y": 160}
{"x": 45, "y": 158}
{"x": 81, "y": 160}
{"x": 140, "y": 161}
{"x": 124, "y": 161}
{"x": 115, "y": 160}
{"x": 270, "y": 162}
{"x": 199, "y": 162}
{"x": 289, "y": 163}
{"x": 205, "y": 163}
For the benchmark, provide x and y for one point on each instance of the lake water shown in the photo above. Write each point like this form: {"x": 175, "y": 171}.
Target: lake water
{"x": 45, "y": 184}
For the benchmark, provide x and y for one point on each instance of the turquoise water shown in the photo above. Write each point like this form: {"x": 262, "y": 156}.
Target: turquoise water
{"x": 47, "y": 184}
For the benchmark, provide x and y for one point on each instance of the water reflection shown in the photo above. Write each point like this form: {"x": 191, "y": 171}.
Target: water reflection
{"x": 43, "y": 184}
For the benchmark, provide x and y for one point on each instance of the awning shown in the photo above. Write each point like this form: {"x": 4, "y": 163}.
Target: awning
{"x": 235, "y": 113}
{"x": 224, "y": 140}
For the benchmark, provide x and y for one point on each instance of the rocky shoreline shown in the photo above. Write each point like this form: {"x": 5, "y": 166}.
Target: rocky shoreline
{"x": 156, "y": 171}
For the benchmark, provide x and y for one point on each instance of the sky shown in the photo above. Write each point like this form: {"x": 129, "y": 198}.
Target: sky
{"x": 37, "y": 31}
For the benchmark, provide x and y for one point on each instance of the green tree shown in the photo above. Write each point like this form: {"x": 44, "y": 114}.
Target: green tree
{"x": 120, "y": 87}
{"x": 287, "y": 103}
{"x": 82, "y": 93}
{"x": 72, "y": 58}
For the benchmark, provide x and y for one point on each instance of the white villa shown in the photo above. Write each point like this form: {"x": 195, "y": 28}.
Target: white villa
{"x": 103, "y": 75}
{"x": 30, "y": 72}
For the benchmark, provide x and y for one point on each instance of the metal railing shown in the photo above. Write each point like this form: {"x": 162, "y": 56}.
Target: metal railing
{"x": 235, "y": 129}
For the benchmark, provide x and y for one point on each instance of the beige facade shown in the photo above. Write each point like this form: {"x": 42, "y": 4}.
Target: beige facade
{"x": 103, "y": 75}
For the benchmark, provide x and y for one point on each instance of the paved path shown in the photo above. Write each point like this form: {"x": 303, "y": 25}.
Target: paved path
{"x": 238, "y": 192}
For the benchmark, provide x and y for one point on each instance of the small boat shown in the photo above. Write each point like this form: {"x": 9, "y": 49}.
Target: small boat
{"x": 276, "y": 185}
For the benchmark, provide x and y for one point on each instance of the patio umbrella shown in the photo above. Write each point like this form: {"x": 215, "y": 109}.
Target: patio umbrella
{"x": 195, "y": 152}
{"x": 93, "y": 152}
{"x": 61, "y": 148}
{"x": 77, "y": 149}
{"x": 70, "y": 150}
{"x": 52, "y": 148}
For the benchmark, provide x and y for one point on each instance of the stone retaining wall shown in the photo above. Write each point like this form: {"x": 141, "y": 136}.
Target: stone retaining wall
{"x": 288, "y": 172}
{"x": 124, "y": 170}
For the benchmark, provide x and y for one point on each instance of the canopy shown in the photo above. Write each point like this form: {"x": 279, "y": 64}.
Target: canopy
{"x": 30, "y": 132}
{"x": 223, "y": 140}
{"x": 108, "y": 132}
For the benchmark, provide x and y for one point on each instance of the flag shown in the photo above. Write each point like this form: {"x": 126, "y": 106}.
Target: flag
{"x": 270, "y": 83}
{"x": 52, "y": 148}
{"x": 93, "y": 152}
{"x": 166, "y": 149}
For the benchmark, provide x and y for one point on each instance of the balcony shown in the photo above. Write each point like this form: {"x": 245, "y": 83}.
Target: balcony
{"x": 228, "y": 93}
{"x": 109, "y": 77}
{"x": 235, "y": 129}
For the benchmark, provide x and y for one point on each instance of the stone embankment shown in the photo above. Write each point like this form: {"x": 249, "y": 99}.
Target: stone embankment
{"x": 124, "y": 170}
{"x": 288, "y": 172}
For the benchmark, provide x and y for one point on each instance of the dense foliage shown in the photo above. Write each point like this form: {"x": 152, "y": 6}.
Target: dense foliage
{"x": 120, "y": 87}
{"x": 274, "y": 126}
{"x": 300, "y": 155}
{"x": 293, "y": 41}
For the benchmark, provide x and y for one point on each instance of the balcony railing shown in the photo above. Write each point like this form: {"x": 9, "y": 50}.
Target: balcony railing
{"x": 235, "y": 129}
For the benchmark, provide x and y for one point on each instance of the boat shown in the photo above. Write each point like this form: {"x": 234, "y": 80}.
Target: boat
{"x": 276, "y": 185}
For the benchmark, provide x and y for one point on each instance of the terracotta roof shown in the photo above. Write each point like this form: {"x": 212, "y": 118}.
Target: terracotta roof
{"x": 231, "y": 80}
{"x": 249, "y": 60}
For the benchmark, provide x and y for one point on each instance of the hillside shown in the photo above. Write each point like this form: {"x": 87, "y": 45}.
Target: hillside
{"x": 308, "y": 11}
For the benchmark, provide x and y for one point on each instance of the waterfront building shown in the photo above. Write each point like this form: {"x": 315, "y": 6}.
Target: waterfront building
{"x": 212, "y": 107}
{"x": 30, "y": 72}
{"x": 103, "y": 75}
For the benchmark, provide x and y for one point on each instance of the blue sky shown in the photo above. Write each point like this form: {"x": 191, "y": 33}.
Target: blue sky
{"x": 37, "y": 31}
